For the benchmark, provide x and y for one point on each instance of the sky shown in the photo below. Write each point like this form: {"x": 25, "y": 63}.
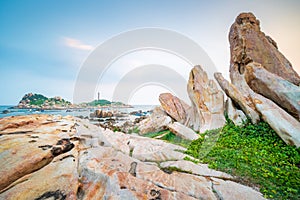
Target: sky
{"x": 44, "y": 44}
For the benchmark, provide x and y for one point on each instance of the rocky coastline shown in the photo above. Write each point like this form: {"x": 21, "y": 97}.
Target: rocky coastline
{"x": 107, "y": 156}
{"x": 69, "y": 158}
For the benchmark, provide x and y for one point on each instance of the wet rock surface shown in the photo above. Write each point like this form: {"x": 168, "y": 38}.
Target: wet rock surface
{"x": 55, "y": 157}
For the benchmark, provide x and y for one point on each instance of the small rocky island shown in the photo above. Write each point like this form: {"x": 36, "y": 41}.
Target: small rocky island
{"x": 39, "y": 101}
{"x": 249, "y": 125}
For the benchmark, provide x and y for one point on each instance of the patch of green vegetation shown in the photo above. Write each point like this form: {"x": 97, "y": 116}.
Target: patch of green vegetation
{"x": 34, "y": 96}
{"x": 59, "y": 101}
{"x": 37, "y": 102}
{"x": 134, "y": 130}
{"x": 171, "y": 169}
{"x": 35, "y": 99}
{"x": 196, "y": 161}
{"x": 169, "y": 137}
{"x": 154, "y": 134}
{"x": 256, "y": 154}
{"x": 130, "y": 152}
{"x": 104, "y": 102}
{"x": 174, "y": 139}
{"x": 101, "y": 102}
{"x": 116, "y": 129}
{"x": 41, "y": 100}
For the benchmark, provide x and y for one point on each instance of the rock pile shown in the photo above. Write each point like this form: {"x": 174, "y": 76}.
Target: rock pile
{"x": 263, "y": 86}
{"x": 101, "y": 114}
{"x": 54, "y": 157}
{"x": 207, "y": 110}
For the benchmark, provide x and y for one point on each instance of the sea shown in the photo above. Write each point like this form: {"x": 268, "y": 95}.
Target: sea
{"x": 8, "y": 110}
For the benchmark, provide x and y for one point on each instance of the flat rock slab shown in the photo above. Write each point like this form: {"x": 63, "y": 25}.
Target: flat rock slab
{"x": 183, "y": 131}
{"x": 199, "y": 169}
{"x": 232, "y": 190}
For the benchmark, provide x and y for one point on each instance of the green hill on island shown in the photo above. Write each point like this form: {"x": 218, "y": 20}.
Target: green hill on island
{"x": 31, "y": 100}
{"x": 104, "y": 102}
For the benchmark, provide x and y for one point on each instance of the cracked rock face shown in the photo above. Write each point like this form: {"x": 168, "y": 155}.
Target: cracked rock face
{"x": 275, "y": 88}
{"x": 207, "y": 101}
{"x": 175, "y": 107}
{"x": 242, "y": 99}
{"x": 52, "y": 157}
{"x": 249, "y": 44}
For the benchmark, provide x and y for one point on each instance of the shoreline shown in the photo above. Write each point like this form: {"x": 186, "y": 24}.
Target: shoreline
{"x": 70, "y": 108}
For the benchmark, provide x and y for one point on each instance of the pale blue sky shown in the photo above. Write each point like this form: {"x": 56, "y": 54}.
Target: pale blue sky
{"x": 44, "y": 43}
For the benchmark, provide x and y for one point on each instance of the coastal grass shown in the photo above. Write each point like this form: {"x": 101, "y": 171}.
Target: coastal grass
{"x": 134, "y": 130}
{"x": 169, "y": 137}
{"x": 171, "y": 169}
{"x": 154, "y": 134}
{"x": 256, "y": 155}
{"x": 174, "y": 139}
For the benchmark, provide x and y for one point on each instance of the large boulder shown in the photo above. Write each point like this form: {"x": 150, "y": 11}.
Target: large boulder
{"x": 174, "y": 107}
{"x": 207, "y": 101}
{"x": 249, "y": 44}
{"x": 279, "y": 90}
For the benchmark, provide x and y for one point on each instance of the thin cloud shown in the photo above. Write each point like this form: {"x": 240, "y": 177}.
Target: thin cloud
{"x": 77, "y": 44}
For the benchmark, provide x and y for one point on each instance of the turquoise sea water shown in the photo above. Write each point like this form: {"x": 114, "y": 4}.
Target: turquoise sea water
{"x": 76, "y": 112}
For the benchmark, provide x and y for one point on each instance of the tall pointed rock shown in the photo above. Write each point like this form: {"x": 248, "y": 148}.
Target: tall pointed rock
{"x": 207, "y": 101}
{"x": 249, "y": 44}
